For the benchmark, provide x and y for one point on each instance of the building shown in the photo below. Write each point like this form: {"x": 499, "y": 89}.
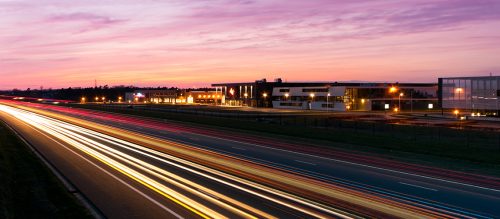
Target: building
{"x": 475, "y": 94}
{"x": 155, "y": 96}
{"x": 255, "y": 94}
{"x": 335, "y": 96}
{"x": 205, "y": 97}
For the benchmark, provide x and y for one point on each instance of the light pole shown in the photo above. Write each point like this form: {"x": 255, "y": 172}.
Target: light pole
{"x": 458, "y": 90}
{"x": 327, "y": 106}
{"x": 264, "y": 95}
{"x": 399, "y": 104}
{"x": 392, "y": 90}
{"x": 83, "y": 99}
{"x": 286, "y": 96}
{"x": 312, "y": 100}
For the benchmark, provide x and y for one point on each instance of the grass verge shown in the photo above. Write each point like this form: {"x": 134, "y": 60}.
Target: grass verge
{"x": 27, "y": 187}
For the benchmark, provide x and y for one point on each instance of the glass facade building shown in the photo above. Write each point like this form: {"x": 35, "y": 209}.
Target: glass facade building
{"x": 477, "y": 94}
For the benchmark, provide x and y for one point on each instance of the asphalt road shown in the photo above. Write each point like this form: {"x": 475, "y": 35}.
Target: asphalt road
{"x": 468, "y": 199}
{"x": 119, "y": 196}
{"x": 126, "y": 180}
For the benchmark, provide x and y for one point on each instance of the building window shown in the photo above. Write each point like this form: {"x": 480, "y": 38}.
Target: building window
{"x": 330, "y": 105}
{"x": 309, "y": 90}
{"x": 291, "y": 104}
{"x": 284, "y": 90}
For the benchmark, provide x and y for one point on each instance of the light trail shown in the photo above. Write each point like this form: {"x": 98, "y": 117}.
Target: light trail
{"x": 136, "y": 163}
{"x": 81, "y": 139}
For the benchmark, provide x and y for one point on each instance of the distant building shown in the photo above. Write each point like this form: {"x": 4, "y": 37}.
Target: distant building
{"x": 205, "y": 97}
{"x": 155, "y": 96}
{"x": 475, "y": 94}
{"x": 333, "y": 96}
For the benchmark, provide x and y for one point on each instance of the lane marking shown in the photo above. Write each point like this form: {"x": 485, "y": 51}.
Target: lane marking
{"x": 357, "y": 164}
{"x": 113, "y": 176}
{"x": 417, "y": 186}
{"x": 331, "y": 159}
{"x": 305, "y": 162}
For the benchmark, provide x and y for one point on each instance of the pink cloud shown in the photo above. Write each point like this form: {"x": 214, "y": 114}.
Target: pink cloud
{"x": 59, "y": 43}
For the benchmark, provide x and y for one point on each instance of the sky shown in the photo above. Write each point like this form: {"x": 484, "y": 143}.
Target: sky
{"x": 61, "y": 43}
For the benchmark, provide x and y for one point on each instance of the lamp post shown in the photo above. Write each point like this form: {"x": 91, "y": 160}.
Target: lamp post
{"x": 399, "y": 97}
{"x": 458, "y": 90}
{"x": 327, "y": 105}
{"x": 392, "y": 90}
{"x": 119, "y": 99}
{"x": 286, "y": 96}
{"x": 83, "y": 99}
{"x": 264, "y": 95}
{"x": 456, "y": 112}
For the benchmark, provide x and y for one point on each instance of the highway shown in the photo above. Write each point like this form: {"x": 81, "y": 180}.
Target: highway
{"x": 129, "y": 167}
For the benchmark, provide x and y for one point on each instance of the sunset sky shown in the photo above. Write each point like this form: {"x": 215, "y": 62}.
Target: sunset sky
{"x": 62, "y": 43}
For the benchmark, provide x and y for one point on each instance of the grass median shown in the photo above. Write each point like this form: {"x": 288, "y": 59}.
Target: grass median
{"x": 27, "y": 187}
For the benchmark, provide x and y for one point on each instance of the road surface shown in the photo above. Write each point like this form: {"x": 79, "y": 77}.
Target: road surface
{"x": 129, "y": 176}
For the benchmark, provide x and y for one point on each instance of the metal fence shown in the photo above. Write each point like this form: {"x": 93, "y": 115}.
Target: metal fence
{"x": 426, "y": 136}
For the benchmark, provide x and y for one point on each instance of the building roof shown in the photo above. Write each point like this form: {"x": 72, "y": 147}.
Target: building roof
{"x": 323, "y": 84}
{"x": 473, "y": 77}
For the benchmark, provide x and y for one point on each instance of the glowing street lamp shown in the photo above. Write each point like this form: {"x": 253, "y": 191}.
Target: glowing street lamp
{"x": 312, "y": 96}
{"x": 286, "y": 96}
{"x": 393, "y": 89}
{"x": 83, "y": 99}
{"x": 327, "y": 106}
{"x": 458, "y": 90}
{"x": 399, "y": 97}
{"x": 264, "y": 95}
{"x": 96, "y": 99}
{"x": 119, "y": 99}
{"x": 456, "y": 112}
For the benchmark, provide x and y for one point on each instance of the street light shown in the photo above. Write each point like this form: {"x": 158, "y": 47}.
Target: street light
{"x": 286, "y": 96}
{"x": 312, "y": 96}
{"x": 83, "y": 99}
{"x": 399, "y": 97}
{"x": 119, "y": 99}
{"x": 456, "y": 112}
{"x": 327, "y": 106}
{"x": 393, "y": 89}
{"x": 458, "y": 90}
{"x": 264, "y": 95}
{"x": 96, "y": 99}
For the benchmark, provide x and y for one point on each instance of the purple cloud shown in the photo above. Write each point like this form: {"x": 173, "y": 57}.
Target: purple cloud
{"x": 91, "y": 21}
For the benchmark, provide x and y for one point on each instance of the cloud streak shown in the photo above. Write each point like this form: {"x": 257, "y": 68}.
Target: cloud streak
{"x": 184, "y": 42}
